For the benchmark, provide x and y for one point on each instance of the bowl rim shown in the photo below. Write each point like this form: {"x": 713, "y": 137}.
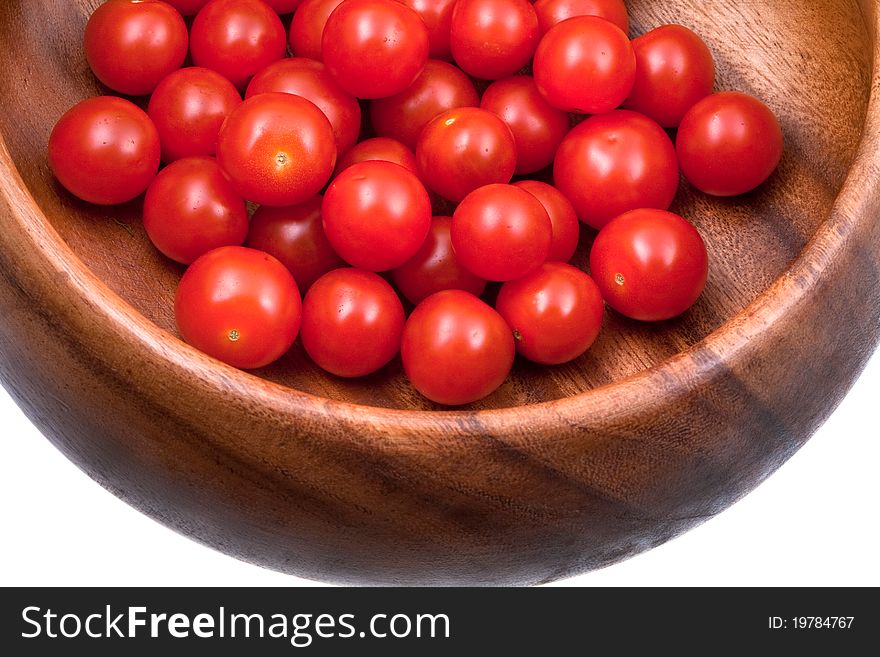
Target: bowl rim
{"x": 695, "y": 365}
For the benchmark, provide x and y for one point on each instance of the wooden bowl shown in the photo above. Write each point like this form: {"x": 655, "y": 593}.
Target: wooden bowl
{"x": 562, "y": 470}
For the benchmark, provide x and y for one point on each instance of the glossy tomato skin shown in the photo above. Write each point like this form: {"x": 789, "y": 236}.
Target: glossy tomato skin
{"x": 563, "y": 219}
{"x": 295, "y": 235}
{"x": 307, "y": 27}
{"x": 586, "y": 65}
{"x": 616, "y": 162}
{"x": 379, "y": 148}
{"x": 191, "y": 208}
{"x": 188, "y": 7}
{"x": 551, "y": 12}
{"x": 493, "y": 39}
{"x": 132, "y": 46}
{"x": 374, "y": 48}
{"x": 440, "y": 87}
{"x": 435, "y": 267}
{"x": 376, "y": 215}
{"x": 278, "y": 149}
{"x": 311, "y": 80}
{"x": 674, "y": 71}
{"x": 501, "y": 232}
{"x": 456, "y": 349}
{"x": 555, "y": 313}
{"x": 437, "y": 16}
{"x": 240, "y": 306}
{"x": 237, "y": 38}
{"x": 538, "y": 128}
{"x": 352, "y": 322}
{"x": 650, "y": 265}
{"x": 105, "y": 150}
{"x": 729, "y": 144}
{"x": 463, "y": 149}
{"x": 188, "y": 108}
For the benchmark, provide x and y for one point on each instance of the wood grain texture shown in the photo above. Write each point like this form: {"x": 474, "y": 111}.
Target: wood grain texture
{"x": 563, "y": 469}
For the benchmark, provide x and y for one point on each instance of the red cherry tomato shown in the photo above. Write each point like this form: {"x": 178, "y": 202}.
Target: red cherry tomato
{"x": 188, "y": 109}
{"x": 352, "y": 322}
{"x": 104, "y": 150}
{"x": 650, "y": 265}
{"x": 131, "y": 46}
{"x": 555, "y": 313}
{"x": 435, "y": 268}
{"x": 616, "y": 162}
{"x": 278, "y": 149}
{"x": 240, "y": 306}
{"x": 307, "y": 27}
{"x": 501, "y": 232}
{"x": 295, "y": 235}
{"x": 492, "y": 39}
{"x": 456, "y": 349}
{"x": 311, "y": 80}
{"x": 376, "y": 215}
{"x": 729, "y": 143}
{"x": 463, "y": 149}
{"x": 188, "y": 7}
{"x": 237, "y": 38}
{"x": 585, "y": 64}
{"x": 191, "y": 208}
{"x": 551, "y": 12}
{"x": 374, "y": 48}
{"x": 379, "y": 148}
{"x": 563, "y": 218}
{"x": 674, "y": 70}
{"x": 538, "y": 128}
{"x": 437, "y": 16}
{"x": 440, "y": 87}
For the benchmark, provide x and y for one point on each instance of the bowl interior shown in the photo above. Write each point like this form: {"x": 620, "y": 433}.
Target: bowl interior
{"x": 810, "y": 61}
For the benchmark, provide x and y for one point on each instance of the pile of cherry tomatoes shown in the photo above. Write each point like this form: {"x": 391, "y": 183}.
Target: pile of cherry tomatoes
{"x": 454, "y": 99}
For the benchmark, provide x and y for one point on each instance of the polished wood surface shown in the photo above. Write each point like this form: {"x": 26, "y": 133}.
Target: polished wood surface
{"x": 563, "y": 469}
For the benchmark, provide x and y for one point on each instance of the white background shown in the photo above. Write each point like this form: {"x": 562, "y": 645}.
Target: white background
{"x": 815, "y": 522}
